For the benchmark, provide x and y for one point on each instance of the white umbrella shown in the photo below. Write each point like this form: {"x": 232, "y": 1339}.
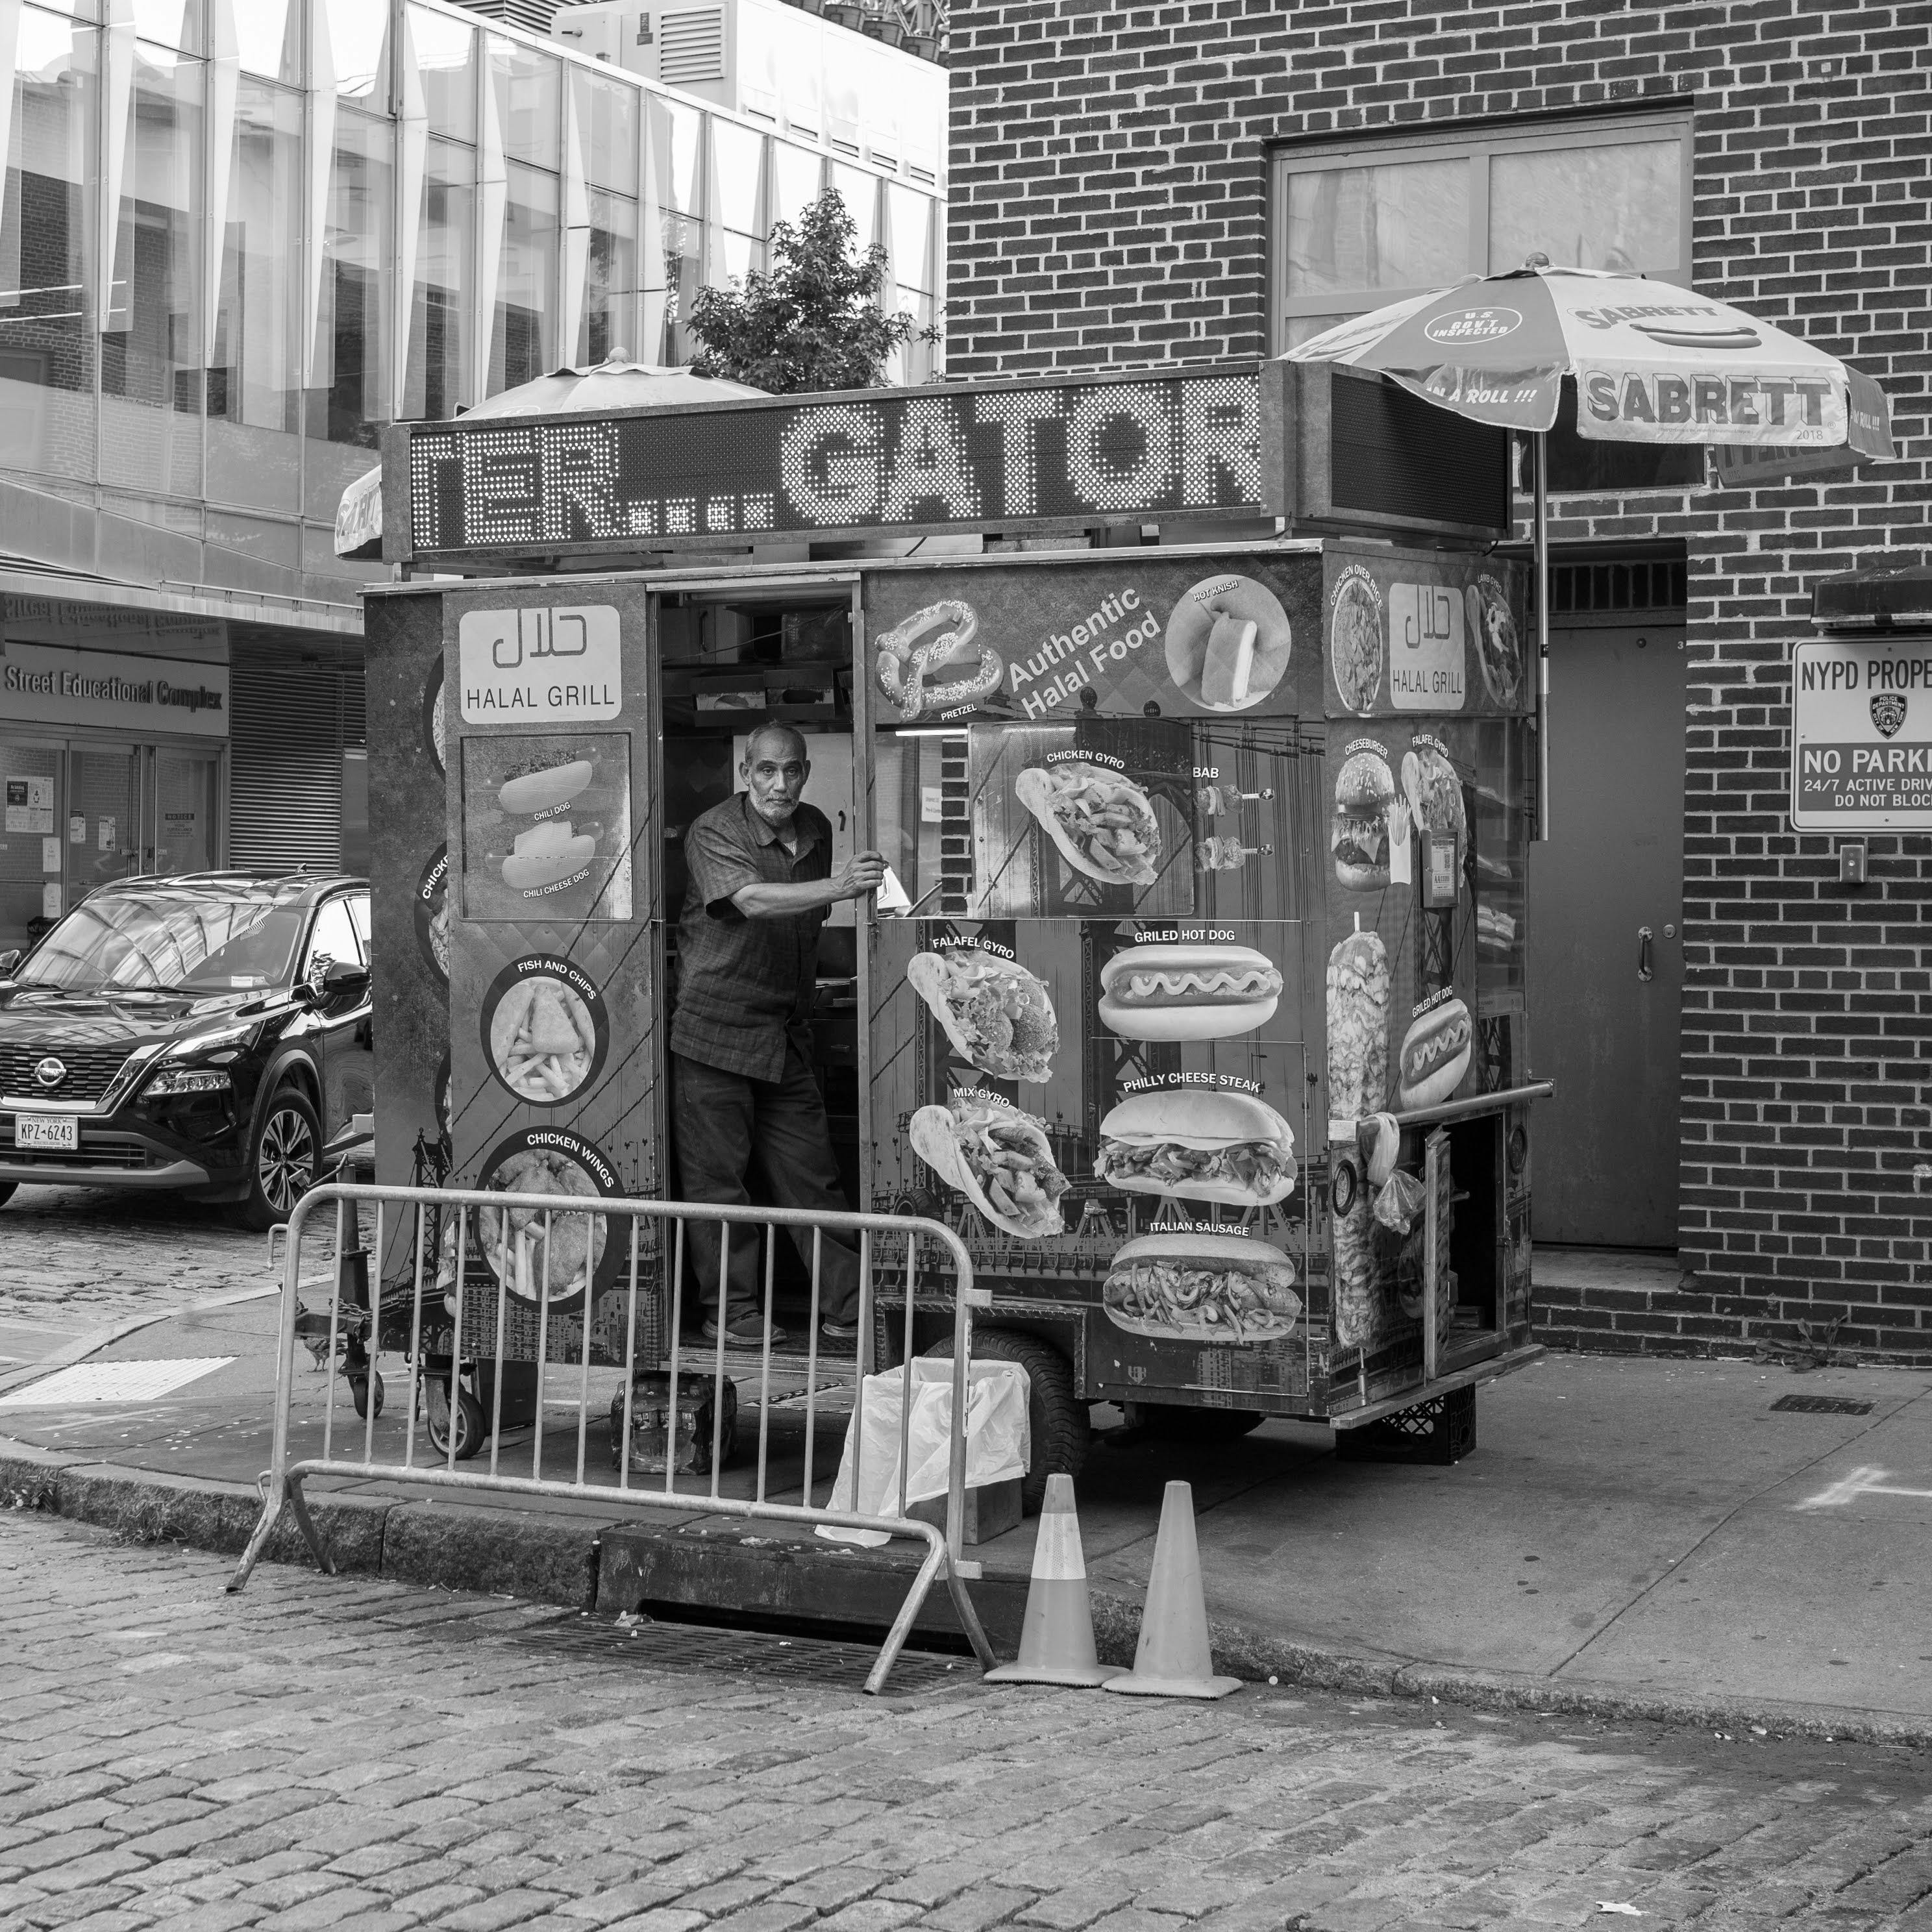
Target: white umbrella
{"x": 610, "y": 384}
{"x": 1651, "y": 363}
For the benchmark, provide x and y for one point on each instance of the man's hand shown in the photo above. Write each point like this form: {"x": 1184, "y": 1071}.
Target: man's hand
{"x": 863, "y": 872}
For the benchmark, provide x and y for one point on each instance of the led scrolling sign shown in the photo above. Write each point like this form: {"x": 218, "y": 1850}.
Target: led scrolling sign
{"x": 931, "y": 459}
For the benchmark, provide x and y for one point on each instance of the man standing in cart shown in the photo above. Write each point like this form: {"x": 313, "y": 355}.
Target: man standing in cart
{"x": 761, "y": 883}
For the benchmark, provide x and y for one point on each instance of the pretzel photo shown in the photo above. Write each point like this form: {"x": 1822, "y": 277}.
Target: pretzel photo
{"x": 909, "y": 651}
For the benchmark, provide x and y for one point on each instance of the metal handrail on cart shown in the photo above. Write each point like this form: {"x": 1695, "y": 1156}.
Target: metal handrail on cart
{"x": 431, "y": 1206}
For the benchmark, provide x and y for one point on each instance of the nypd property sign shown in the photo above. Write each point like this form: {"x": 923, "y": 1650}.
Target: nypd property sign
{"x": 1862, "y": 735}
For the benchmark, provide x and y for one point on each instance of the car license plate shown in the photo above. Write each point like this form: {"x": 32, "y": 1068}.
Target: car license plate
{"x": 61, "y": 1132}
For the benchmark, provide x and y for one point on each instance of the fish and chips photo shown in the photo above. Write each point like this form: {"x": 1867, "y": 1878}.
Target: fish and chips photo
{"x": 997, "y": 1015}
{"x": 998, "y": 1157}
{"x": 1201, "y": 1288}
{"x": 543, "y": 1042}
{"x": 533, "y": 1260}
{"x": 1102, "y": 823}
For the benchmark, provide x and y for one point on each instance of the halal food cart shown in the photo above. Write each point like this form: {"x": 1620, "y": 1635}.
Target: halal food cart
{"x": 1196, "y": 1000}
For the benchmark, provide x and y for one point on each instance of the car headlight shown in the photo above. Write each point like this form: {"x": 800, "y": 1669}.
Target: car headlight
{"x": 173, "y": 1080}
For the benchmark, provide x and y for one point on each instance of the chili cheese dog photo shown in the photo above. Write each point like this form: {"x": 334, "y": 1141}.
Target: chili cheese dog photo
{"x": 1198, "y": 1144}
{"x": 998, "y": 1158}
{"x": 997, "y": 1015}
{"x": 1102, "y": 824}
{"x": 1207, "y": 992}
{"x": 1434, "y": 1055}
{"x": 1359, "y": 832}
{"x": 1201, "y": 1288}
{"x": 546, "y": 791}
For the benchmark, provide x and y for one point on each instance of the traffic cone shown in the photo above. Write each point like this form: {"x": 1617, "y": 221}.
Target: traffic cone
{"x": 1056, "y": 1639}
{"x": 1172, "y": 1659}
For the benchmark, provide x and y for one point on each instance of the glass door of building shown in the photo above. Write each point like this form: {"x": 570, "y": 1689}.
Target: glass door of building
{"x": 79, "y": 812}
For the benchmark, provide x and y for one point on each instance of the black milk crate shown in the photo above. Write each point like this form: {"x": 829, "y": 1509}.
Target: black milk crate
{"x": 1437, "y": 1432}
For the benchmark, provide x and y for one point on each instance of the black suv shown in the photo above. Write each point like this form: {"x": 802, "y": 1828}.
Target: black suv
{"x": 207, "y": 1033}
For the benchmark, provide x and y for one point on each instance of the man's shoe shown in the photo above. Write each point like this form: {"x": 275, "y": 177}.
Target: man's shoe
{"x": 839, "y": 1331}
{"x": 748, "y": 1331}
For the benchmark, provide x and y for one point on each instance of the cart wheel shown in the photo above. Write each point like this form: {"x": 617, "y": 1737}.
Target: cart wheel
{"x": 469, "y": 1423}
{"x": 1173, "y": 1423}
{"x": 1056, "y": 1417}
{"x": 359, "y": 1386}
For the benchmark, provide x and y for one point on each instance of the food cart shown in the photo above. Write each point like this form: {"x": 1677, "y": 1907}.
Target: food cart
{"x": 1195, "y": 1004}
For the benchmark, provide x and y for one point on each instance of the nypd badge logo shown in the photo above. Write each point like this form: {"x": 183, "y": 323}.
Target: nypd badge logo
{"x": 1888, "y": 713}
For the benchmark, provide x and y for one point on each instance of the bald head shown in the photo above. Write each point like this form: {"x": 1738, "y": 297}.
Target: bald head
{"x": 775, "y": 770}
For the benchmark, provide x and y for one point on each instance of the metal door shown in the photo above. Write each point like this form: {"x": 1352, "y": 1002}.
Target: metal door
{"x": 1605, "y": 948}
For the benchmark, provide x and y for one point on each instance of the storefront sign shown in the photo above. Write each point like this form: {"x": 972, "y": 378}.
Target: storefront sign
{"x": 532, "y": 665}
{"x": 46, "y": 684}
{"x": 1436, "y": 636}
{"x": 1862, "y": 735}
{"x": 1087, "y": 450}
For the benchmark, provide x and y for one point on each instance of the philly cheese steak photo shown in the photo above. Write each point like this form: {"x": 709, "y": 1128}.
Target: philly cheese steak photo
{"x": 996, "y": 1015}
{"x": 1201, "y": 1288}
{"x": 998, "y": 1157}
{"x": 1211, "y": 990}
{"x": 1198, "y": 1144}
{"x": 1102, "y": 823}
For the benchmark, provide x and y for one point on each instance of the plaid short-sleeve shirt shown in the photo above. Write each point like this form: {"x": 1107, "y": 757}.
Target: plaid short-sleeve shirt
{"x": 746, "y": 986}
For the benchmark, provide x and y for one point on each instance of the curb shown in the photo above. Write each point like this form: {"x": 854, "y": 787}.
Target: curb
{"x": 584, "y": 1563}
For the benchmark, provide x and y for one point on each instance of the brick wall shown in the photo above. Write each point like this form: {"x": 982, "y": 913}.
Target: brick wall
{"x": 1108, "y": 206}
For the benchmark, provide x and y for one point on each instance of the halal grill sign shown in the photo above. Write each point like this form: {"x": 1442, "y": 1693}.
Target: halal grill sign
{"x": 1089, "y": 451}
{"x": 1861, "y": 735}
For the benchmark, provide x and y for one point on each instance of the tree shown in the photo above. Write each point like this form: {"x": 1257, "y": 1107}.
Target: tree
{"x": 812, "y": 321}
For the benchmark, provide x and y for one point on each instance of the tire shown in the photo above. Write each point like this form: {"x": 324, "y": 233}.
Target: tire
{"x": 469, "y": 1423}
{"x": 7, "y": 1188}
{"x": 284, "y": 1161}
{"x": 360, "y": 1387}
{"x": 1176, "y": 1424}
{"x": 1056, "y": 1417}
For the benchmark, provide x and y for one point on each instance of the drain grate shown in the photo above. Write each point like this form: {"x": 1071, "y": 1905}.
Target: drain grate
{"x": 1820, "y": 1405}
{"x": 692, "y": 1647}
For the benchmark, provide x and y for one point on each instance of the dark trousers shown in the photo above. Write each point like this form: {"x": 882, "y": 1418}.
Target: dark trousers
{"x": 720, "y": 1120}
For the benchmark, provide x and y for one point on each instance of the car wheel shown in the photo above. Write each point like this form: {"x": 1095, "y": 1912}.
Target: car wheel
{"x": 7, "y": 1188}
{"x": 285, "y": 1160}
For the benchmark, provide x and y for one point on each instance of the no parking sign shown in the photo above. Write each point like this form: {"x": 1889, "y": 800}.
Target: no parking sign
{"x": 1862, "y": 735}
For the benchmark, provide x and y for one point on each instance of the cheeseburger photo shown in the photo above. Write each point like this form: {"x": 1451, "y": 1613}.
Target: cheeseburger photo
{"x": 1359, "y": 832}
{"x": 1434, "y": 1055}
{"x": 1200, "y": 1145}
{"x": 1196, "y": 1288}
{"x": 1207, "y": 991}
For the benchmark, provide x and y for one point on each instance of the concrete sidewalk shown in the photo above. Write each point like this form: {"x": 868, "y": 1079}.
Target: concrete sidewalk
{"x": 1633, "y": 1535}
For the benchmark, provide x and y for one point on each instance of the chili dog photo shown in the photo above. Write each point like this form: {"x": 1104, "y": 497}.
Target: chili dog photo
{"x": 1201, "y": 1288}
{"x": 1435, "y": 1054}
{"x": 998, "y": 1157}
{"x": 1359, "y": 832}
{"x": 1102, "y": 823}
{"x": 927, "y": 664}
{"x": 998, "y": 1016}
{"x": 1198, "y": 1144}
{"x": 1206, "y": 991}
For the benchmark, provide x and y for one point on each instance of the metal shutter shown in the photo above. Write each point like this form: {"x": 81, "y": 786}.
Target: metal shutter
{"x": 289, "y": 723}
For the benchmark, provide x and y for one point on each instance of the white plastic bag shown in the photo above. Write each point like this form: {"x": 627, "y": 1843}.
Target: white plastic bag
{"x": 998, "y": 1438}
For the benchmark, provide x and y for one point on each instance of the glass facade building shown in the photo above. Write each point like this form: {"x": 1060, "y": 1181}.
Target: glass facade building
{"x": 238, "y": 237}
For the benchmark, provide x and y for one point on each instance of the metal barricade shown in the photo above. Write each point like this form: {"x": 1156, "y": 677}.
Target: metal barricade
{"x": 352, "y": 1337}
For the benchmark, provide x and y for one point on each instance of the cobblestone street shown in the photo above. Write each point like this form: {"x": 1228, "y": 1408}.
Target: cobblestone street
{"x": 364, "y": 1754}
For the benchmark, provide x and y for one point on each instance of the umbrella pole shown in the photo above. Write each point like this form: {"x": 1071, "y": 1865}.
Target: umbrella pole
{"x": 1542, "y": 515}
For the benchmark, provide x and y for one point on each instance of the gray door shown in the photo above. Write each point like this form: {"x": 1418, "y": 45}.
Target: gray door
{"x": 1605, "y": 1147}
